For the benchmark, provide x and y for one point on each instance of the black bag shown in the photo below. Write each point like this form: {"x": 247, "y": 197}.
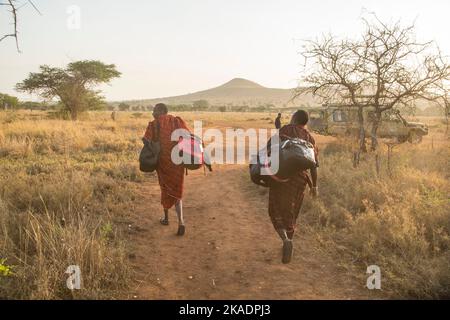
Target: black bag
{"x": 255, "y": 174}
{"x": 295, "y": 155}
{"x": 149, "y": 156}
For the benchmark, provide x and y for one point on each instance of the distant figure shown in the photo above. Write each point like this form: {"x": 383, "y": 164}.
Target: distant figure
{"x": 170, "y": 175}
{"x": 278, "y": 121}
{"x": 285, "y": 198}
{"x": 113, "y": 116}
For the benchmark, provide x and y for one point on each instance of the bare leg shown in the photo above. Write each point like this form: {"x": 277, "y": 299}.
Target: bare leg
{"x": 165, "y": 221}
{"x": 287, "y": 245}
{"x": 179, "y": 210}
{"x": 290, "y": 234}
{"x": 283, "y": 234}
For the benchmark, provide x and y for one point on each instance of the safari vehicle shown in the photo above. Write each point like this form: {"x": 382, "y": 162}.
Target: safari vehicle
{"x": 343, "y": 120}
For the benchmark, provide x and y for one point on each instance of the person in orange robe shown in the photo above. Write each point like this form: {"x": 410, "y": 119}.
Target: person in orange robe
{"x": 170, "y": 175}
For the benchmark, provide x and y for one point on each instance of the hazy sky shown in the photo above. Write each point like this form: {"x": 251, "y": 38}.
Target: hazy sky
{"x": 170, "y": 47}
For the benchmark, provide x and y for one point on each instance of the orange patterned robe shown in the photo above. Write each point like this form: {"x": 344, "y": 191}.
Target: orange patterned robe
{"x": 170, "y": 176}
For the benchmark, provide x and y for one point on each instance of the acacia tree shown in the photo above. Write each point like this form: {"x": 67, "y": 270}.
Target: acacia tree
{"x": 72, "y": 85}
{"x": 384, "y": 69}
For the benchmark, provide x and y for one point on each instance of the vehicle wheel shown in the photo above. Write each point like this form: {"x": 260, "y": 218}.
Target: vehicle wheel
{"x": 402, "y": 139}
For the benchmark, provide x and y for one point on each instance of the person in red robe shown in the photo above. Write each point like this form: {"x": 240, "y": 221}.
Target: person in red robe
{"x": 285, "y": 198}
{"x": 170, "y": 175}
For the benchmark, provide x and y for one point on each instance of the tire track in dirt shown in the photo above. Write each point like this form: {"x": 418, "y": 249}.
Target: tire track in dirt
{"x": 230, "y": 250}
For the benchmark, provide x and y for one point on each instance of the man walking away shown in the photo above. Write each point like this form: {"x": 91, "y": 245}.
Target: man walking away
{"x": 170, "y": 175}
{"x": 285, "y": 198}
{"x": 278, "y": 122}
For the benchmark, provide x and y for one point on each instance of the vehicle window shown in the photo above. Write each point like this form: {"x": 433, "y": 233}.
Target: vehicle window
{"x": 339, "y": 116}
{"x": 316, "y": 115}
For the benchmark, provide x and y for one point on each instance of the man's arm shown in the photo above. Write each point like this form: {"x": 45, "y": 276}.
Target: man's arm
{"x": 314, "y": 189}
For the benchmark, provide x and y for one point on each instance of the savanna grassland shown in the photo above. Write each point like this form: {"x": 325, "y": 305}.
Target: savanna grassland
{"x": 66, "y": 189}
{"x": 398, "y": 219}
{"x": 70, "y": 191}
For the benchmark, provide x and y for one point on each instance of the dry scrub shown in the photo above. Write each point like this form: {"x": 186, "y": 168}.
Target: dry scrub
{"x": 398, "y": 221}
{"x": 65, "y": 188}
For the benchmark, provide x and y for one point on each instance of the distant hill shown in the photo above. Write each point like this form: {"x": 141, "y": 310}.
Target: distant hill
{"x": 237, "y": 92}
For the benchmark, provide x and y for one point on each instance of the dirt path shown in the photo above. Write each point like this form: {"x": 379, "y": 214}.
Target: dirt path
{"x": 230, "y": 250}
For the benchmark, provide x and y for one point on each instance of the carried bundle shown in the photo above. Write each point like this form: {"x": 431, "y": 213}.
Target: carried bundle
{"x": 294, "y": 155}
{"x": 191, "y": 150}
{"x": 149, "y": 155}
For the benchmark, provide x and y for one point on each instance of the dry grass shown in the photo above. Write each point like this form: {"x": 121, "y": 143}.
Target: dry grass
{"x": 66, "y": 188}
{"x": 65, "y": 191}
{"x": 399, "y": 221}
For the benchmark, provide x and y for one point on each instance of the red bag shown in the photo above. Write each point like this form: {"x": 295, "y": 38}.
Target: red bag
{"x": 191, "y": 149}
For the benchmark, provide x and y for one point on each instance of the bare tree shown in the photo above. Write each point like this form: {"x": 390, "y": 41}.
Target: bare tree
{"x": 400, "y": 69}
{"x": 333, "y": 74}
{"x": 13, "y": 6}
{"x": 384, "y": 69}
{"x": 447, "y": 113}
{"x": 444, "y": 104}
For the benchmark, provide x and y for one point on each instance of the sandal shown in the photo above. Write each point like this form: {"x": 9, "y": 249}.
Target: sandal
{"x": 181, "y": 230}
{"x": 164, "y": 221}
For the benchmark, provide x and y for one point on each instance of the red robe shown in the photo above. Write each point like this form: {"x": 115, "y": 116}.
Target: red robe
{"x": 170, "y": 175}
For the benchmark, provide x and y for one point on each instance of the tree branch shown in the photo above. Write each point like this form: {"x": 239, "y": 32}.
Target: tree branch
{"x": 14, "y": 8}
